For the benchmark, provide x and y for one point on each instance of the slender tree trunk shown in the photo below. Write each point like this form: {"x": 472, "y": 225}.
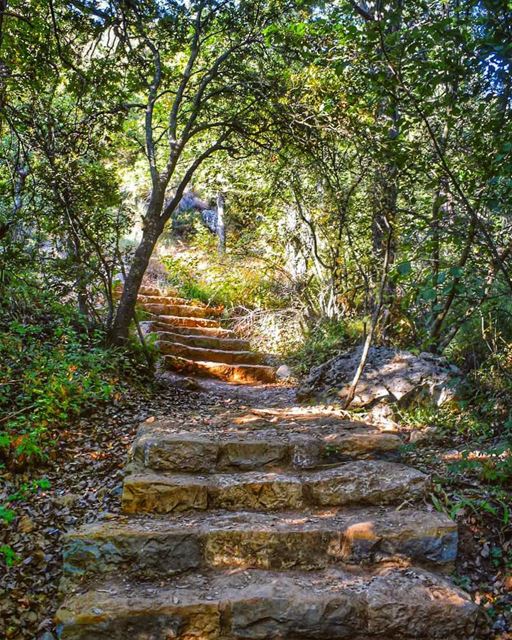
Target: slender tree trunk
{"x": 384, "y": 214}
{"x": 79, "y": 270}
{"x": 380, "y": 301}
{"x": 221, "y": 227}
{"x": 384, "y": 241}
{"x": 152, "y": 229}
{"x": 386, "y": 179}
{"x": 439, "y": 207}
{"x": 438, "y": 323}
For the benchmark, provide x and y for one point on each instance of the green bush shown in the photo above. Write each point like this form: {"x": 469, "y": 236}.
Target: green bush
{"x": 230, "y": 280}
{"x": 54, "y": 367}
{"x": 481, "y": 427}
{"x": 324, "y": 341}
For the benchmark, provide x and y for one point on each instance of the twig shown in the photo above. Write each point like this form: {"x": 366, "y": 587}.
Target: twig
{"x": 375, "y": 319}
{"x": 17, "y": 413}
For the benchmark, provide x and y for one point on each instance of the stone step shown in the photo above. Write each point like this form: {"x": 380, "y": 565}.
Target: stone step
{"x": 204, "y": 341}
{"x": 307, "y": 541}
{"x": 161, "y": 446}
{"x": 214, "y": 331}
{"x": 400, "y": 604}
{"x": 296, "y": 418}
{"x": 241, "y": 373}
{"x": 156, "y": 291}
{"x": 368, "y": 482}
{"x": 181, "y": 310}
{"x": 181, "y": 321}
{"x": 304, "y": 420}
{"x": 208, "y": 355}
{"x": 169, "y": 300}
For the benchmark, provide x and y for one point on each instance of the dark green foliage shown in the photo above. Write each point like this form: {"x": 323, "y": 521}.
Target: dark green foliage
{"x": 325, "y": 340}
{"x": 54, "y": 367}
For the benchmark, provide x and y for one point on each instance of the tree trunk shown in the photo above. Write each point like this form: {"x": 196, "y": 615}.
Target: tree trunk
{"x": 125, "y": 312}
{"x": 380, "y": 301}
{"x": 438, "y": 323}
{"x": 386, "y": 183}
{"x": 221, "y": 227}
{"x": 439, "y": 208}
{"x": 75, "y": 253}
{"x": 384, "y": 234}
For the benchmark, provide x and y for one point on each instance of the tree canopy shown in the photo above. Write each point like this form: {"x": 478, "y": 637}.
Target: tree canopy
{"x": 379, "y": 134}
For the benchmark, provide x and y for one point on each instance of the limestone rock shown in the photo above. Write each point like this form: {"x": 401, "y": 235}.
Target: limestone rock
{"x": 161, "y": 446}
{"x": 291, "y": 540}
{"x": 362, "y": 482}
{"x": 284, "y": 372}
{"x": 390, "y": 376}
{"x": 241, "y": 373}
{"x": 408, "y": 604}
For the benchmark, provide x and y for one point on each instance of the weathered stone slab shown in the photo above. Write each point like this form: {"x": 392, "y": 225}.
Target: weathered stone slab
{"x": 157, "y": 447}
{"x": 181, "y": 310}
{"x": 251, "y": 454}
{"x": 204, "y": 341}
{"x": 161, "y": 299}
{"x": 182, "y": 321}
{"x": 368, "y": 482}
{"x": 168, "y": 324}
{"x": 160, "y": 494}
{"x": 241, "y": 373}
{"x": 144, "y": 548}
{"x": 205, "y": 354}
{"x": 175, "y": 452}
{"x": 353, "y": 483}
{"x": 293, "y": 540}
{"x": 396, "y": 604}
{"x": 150, "y": 291}
{"x": 258, "y": 491}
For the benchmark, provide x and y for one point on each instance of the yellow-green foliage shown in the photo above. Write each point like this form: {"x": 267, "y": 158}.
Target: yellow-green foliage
{"x": 324, "y": 340}
{"x": 230, "y": 280}
{"x": 54, "y": 366}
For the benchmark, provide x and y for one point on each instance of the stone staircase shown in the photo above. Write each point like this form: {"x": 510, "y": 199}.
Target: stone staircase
{"x": 274, "y": 524}
{"x": 193, "y": 341}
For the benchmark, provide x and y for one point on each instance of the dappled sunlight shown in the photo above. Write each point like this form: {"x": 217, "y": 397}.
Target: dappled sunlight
{"x": 476, "y": 455}
{"x": 360, "y": 530}
{"x": 255, "y": 319}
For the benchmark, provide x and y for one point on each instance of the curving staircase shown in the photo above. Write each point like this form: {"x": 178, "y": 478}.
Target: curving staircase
{"x": 275, "y": 524}
{"x": 193, "y": 342}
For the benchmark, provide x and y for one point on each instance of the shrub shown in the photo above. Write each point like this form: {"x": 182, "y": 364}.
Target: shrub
{"x": 54, "y": 367}
{"x": 325, "y": 340}
{"x": 231, "y": 280}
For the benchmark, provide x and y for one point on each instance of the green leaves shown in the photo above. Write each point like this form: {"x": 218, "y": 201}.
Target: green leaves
{"x": 428, "y": 293}
{"x": 6, "y": 515}
{"x": 54, "y": 370}
{"x": 404, "y": 268}
{"x": 456, "y": 272}
{"x": 9, "y": 555}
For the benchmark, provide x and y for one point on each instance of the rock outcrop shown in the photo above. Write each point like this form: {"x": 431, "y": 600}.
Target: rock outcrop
{"x": 389, "y": 377}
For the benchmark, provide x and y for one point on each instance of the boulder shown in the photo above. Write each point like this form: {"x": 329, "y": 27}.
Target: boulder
{"x": 284, "y": 372}
{"x": 390, "y": 377}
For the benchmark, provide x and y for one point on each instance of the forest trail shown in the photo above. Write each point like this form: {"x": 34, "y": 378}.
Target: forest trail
{"x": 266, "y": 520}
